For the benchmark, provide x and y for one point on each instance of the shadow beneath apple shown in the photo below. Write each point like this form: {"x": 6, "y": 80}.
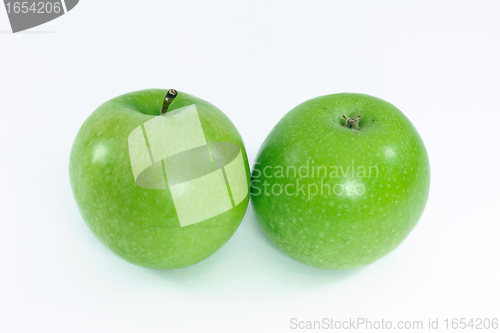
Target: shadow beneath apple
{"x": 249, "y": 260}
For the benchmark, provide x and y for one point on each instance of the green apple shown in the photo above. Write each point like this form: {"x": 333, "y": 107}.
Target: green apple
{"x": 340, "y": 181}
{"x": 162, "y": 179}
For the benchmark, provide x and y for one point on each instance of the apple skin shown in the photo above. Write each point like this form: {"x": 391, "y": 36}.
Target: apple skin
{"x": 353, "y": 226}
{"x": 140, "y": 225}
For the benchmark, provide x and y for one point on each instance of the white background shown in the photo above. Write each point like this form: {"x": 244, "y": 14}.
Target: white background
{"x": 437, "y": 61}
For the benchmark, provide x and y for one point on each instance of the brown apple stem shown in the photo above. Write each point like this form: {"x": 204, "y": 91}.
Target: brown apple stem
{"x": 169, "y": 98}
{"x": 351, "y": 123}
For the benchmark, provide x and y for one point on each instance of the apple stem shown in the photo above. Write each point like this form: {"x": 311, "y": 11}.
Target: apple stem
{"x": 351, "y": 123}
{"x": 169, "y": 98}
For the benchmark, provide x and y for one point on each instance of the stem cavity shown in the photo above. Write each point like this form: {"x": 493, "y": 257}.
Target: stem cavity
{"x": 169, "y": 98}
